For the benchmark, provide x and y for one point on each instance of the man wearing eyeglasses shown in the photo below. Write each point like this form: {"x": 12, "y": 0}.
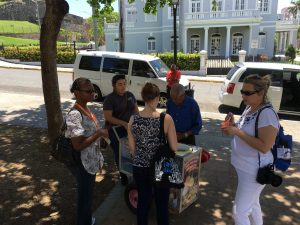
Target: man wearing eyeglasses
{"x": 118, "y": 107}
{"x": 185, "y": 113}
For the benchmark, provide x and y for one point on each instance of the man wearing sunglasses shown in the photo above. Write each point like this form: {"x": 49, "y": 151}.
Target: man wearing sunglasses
{"x": 118, "y": 107}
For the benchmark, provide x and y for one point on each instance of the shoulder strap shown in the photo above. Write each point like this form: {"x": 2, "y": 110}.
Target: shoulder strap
{"x": 161, "y": 126}
{"x": 256, "y": 125}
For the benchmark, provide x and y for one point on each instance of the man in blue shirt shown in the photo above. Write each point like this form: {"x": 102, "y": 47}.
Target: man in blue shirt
{"x": 185, "y": 113}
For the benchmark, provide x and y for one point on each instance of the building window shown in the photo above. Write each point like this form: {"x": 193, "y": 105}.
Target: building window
{"x": 237, "y": 43}
{"x": 151, "y": 44}
{"x": 215, "y": 45}
{"x": 170, "y": 12}
{"x": 150, "y": 17}
{"x": 219, "y": 6}
{"x": 172, "y": 43}
{"x": 195, "y": 6}
{"x": 195, "y": 44}
{"x": 263, "y": 5}
{"x": 262, "y": 38}
{"x": 240, "y": 4}
{"x": 131, "y": 14}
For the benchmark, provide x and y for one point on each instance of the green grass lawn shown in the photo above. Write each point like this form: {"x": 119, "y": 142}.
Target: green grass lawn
{"x": 9, "y": 41}
{"x": 17, "y": 27}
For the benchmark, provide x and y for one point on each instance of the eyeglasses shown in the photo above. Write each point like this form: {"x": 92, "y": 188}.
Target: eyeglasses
{"x": 248, "y": 93}
{"x": 88, "y": 91}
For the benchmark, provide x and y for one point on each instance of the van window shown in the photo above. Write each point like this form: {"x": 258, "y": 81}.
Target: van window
{"x": 160, "y": 67}
{"x": 231, "y": 72}
{"x": 90, "y": 63}
{"x": 276, "y": 75}
{"x": 114, "y": 65}
{"x": 142, "y": 69}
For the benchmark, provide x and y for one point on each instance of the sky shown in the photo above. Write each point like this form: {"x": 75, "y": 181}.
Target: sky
{"x": 82, "y": 8}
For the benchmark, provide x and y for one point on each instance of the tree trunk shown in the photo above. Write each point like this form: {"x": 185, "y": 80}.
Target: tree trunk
{"x": 55, "y": 12}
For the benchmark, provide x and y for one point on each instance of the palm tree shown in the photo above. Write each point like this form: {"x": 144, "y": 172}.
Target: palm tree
{"x": 294, "y": 8}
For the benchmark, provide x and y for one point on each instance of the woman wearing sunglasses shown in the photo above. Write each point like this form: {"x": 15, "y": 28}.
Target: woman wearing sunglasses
{"x": 247, "y": 149}
{"x": 85, "y": 132}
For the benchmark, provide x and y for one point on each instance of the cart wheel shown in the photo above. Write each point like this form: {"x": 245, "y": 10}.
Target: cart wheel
{"x": 131, "y": 197}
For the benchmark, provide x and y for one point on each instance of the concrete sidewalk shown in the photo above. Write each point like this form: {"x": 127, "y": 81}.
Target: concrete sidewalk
{"x": 218, "y": 180}
{"x": 11, "y": 65}
{"x": 217, "y": 187}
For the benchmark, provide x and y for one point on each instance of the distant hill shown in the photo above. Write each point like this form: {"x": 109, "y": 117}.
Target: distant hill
{"x": 32, "y": 11}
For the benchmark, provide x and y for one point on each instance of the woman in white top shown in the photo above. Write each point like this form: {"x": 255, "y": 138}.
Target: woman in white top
{"x": 85, "y": 133}
{"x": 246, "y": 148}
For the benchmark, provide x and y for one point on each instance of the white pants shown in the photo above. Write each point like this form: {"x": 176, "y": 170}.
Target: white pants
{"x": 246, "y": 204}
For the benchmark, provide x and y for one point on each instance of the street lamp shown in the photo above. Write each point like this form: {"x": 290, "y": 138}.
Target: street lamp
{"x": 175, "y": 5}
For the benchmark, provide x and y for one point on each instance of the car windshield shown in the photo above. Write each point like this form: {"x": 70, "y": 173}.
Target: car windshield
{"x": 160, "y": 67}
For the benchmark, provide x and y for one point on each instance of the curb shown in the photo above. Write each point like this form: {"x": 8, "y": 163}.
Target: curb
{"x": 70, "y": 70}
{"x": 105, "y": 207}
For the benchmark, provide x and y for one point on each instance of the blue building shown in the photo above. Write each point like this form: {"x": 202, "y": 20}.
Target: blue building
{"x": 235, "y": 25}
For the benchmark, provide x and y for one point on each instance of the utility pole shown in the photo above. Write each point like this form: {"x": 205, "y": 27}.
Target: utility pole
{"x": 121, "y": 27}
{"x": 38, "y": 14}
{"x": 95, "y": 28}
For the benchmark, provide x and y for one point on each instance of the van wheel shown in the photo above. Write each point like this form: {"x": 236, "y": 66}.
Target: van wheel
{"x": 163, "y": 100}
{"x": 242, "y": 107}
{"x": 98, "y": 94}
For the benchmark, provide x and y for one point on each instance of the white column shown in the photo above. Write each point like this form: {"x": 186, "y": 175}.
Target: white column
{"x": 203, "y": 61}
{"x": 227, "y": 41}
{"x": 280, "y": 43}
{"x": 206, "y": 38}
{"x": 291, "y": 37}
{"x": 242, "y": 56}
{"x": 184, "y": 40}
{"x": 250, "y": 50}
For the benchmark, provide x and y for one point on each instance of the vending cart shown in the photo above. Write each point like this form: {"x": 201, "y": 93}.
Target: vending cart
{"x": 188, "y": 159}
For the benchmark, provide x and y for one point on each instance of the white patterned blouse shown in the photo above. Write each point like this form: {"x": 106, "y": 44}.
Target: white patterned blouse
{"x": 80, "y": 125}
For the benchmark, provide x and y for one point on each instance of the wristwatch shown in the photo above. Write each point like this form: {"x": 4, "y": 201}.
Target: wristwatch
{"x": 186, "y": 134}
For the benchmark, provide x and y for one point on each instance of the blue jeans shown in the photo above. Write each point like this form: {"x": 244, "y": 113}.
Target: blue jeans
{"x": 143, "y": 177}
{"x": 85, "y": 186}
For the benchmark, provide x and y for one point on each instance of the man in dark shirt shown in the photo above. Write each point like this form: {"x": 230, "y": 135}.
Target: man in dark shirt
{"x": 118, "y": 107}
{"x": 185, "y": 113}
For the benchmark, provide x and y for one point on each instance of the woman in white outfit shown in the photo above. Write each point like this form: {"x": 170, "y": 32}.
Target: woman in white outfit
{"x": 246, "y": 148}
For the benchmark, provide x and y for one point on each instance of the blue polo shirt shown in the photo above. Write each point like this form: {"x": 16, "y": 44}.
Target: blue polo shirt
{"x": 186, "y": 116}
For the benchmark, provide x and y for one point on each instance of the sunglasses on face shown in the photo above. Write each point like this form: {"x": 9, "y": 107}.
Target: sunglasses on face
{"x": 88, "y": 91}
{"x": 248, "y": 93}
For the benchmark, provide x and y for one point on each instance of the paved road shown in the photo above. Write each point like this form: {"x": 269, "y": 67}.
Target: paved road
{"x": 30, "y": 82}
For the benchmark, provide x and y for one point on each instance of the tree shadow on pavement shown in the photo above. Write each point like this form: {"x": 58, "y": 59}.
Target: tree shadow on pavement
{"x": 218, "y": 185}
{"x": 35, "y": 188}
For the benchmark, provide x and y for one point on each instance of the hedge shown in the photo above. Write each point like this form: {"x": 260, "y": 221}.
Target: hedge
{"x": 65, "y": 55}
{"x": 184, "y": 61}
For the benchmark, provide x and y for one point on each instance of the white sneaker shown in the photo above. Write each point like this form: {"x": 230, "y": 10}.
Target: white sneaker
{"x": 93, "y": 220}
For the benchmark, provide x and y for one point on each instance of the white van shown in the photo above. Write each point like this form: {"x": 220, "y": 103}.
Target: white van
{"x": 284, "y": 92}
{"x": 101, "y": 66}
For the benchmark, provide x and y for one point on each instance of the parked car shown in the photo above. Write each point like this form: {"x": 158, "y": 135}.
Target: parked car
{"x": 101, "y": 66}
{"x": 284, "y": 92}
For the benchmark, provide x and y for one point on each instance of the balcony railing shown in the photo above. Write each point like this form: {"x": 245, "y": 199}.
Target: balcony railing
{"x": 116, "y": 25}
{"x": 223, "y": 15}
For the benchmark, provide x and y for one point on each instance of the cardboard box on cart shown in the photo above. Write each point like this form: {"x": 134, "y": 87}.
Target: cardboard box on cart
{"x": 188, "y": 160}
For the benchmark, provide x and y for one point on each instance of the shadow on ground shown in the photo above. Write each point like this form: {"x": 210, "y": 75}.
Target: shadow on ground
{"x": 35, "y": 188}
